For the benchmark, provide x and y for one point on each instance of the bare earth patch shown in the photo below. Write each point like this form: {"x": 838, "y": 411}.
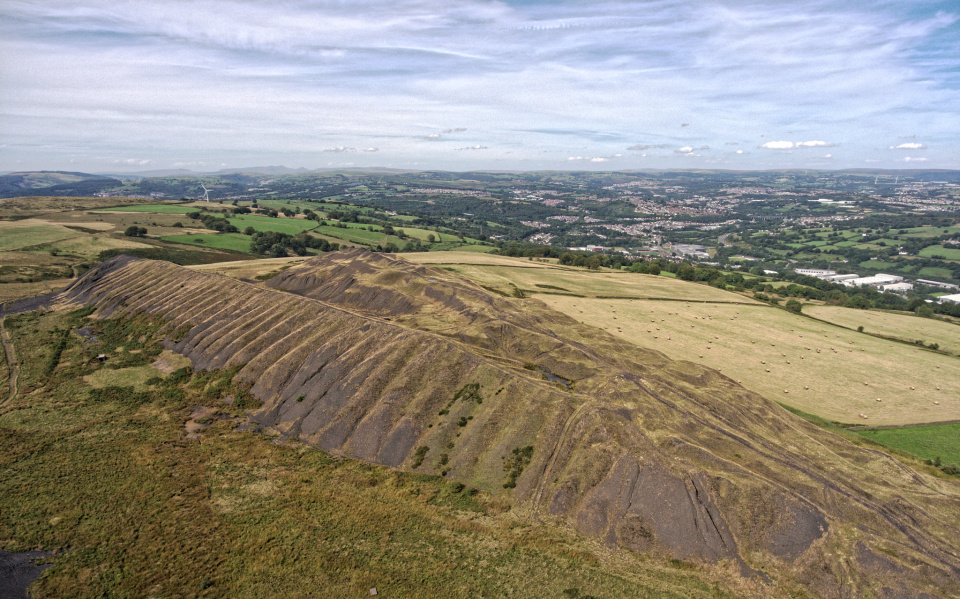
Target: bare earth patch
{"x": 169, "y": 361}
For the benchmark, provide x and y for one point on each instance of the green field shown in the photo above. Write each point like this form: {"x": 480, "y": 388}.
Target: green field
{"x": 931, "y": 231}
{"x": 936, "y": 271}
{"x": 237, "y": 242}
{"x": 358, "y": 235}
{"x": 938, "y": 250}
{"x": 290, "y": 226}
{"x": 878, "y": 264}
{"x": 927, "y": 442}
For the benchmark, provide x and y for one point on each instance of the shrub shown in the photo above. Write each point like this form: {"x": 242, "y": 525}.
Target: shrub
{"x": 419, "y": 455}
{"x": 134, "y": 231}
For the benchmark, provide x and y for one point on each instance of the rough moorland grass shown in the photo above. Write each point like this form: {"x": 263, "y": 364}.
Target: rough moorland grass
{"x": 135, "y": 376}
{"x": 903, "y": 326}
{"x": 157, "y": 208}
{"x": 928, "y": 442}
{"x": 142, "y": 511}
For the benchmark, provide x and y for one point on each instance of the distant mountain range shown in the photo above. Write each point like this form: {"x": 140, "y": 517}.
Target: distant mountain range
{"x": 255, "y": 170}
{"x": 26, "y": 183}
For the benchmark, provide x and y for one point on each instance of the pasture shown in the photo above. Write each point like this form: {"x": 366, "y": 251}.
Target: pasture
{"x": 15, "y": 235}
{"x": 927, "y": 442}
{"x": 938, "y": 250}
{"x": 903, "y": 326}
{"x": 833, "y": 372}
{"x": 290, "y": 226}
{"x": 534, "y": 277}
{"x": 767, "y": 349}
{"x": 235, "y": 242}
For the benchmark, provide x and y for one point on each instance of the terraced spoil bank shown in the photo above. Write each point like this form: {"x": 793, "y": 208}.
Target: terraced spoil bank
{"x": 372, "y": 357}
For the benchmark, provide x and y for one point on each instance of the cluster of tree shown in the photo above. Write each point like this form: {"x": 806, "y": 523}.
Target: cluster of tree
{"x": 213, "y": 222}
{"x": 278, "y": 245}
{"x": 134, "y": 231}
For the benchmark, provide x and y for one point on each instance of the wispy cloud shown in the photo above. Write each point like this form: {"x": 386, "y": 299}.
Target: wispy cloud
{"x": 340, "y": 149}
{"x": 908, "y": 146}
{"x": 789, "y": 145}
{"x": 267, "y": 83}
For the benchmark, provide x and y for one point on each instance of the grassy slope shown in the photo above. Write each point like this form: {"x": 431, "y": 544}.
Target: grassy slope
{"x": 902, "y": 326}
{"x": 24, "y": 233}
{"x": 739, "y": 338}
{"x": 145, "y": 512}
{"x": 927, "y": 442}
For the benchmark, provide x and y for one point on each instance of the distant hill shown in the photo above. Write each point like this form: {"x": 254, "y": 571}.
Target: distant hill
{"x": 52, "y": 183}
{"x": 182, "y": 172}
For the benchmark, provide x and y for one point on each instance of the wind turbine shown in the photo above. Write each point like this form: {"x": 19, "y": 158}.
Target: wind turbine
{"x": 206, "y": 193}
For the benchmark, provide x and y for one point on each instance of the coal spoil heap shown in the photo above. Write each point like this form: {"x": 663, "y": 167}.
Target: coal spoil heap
{"x": 369, "y": 356}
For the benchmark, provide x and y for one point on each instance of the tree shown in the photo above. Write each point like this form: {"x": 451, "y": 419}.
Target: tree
{"x": 134, "y": 231}
{"x": 431, "y": 238}
{"x": 686, "y": 272}
{"x": 653, "y": 269}
{"x": 794, "y": 306}
{"x": 249, "y": 231}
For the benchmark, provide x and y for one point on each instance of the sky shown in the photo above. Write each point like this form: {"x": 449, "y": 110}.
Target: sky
{"x": 114, "y": 86}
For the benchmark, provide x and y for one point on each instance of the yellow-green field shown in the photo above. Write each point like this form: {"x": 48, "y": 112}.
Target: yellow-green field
{"x": 903, "y": 326}
{"x": 15, "y": 235}
{"x": 745, "y": 339}
{"x": 504, "y": 273}
{"x": 829, "y": 371}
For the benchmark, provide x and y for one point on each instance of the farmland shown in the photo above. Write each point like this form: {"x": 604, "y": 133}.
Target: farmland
{"x": 903, "y": 326}
{"x": 928, "y": 442}
{"x": 544, "y": 277}
{"x": 831, "y": 371}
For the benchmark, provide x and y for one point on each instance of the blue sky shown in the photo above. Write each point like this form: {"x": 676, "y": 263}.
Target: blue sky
{"x": 131, "y": 85}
